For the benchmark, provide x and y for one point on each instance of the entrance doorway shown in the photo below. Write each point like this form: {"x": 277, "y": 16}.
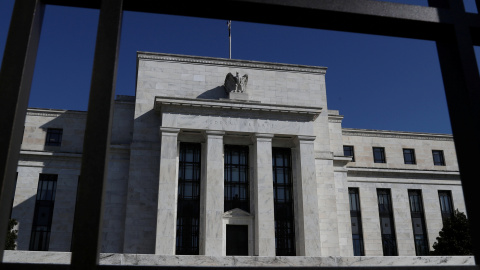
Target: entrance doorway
{"x": 237, "y": 240}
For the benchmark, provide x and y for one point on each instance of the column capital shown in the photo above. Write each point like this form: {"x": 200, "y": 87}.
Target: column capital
{"x": 306, "y": 138}
{"x": 214, "y": 133}
{"x": 169, "y": 131}
{"x": 262, "y": 136}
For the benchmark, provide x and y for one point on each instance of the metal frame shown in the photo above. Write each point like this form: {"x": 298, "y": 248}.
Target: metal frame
{"x": 445, "y": 22}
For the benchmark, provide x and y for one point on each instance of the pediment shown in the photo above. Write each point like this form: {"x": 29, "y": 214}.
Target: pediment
{"x": 236, "y": 212}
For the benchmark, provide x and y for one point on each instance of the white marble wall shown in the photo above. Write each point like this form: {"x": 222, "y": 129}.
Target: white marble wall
{"x": 327, "y": 206}
{"x": 39, "y": 120}
{"x": 401, "y": 208}
{"x": 29, "y": 170}
{"x": 394, "y": 142}
{"x": 306, "y": 198}
{"x": 343, "y": 210}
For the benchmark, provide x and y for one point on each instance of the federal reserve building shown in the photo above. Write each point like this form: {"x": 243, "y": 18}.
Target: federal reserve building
{"x": 223, "y": 162}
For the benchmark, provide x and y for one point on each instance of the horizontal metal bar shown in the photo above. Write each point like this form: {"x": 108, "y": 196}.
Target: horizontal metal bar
{"x": 359, "y": 16}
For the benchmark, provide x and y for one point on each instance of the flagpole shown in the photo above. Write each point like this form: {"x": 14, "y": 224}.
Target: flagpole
{"x": 229, "y": 23}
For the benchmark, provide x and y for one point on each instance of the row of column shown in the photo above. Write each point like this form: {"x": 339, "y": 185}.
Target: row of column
{"x": 212, "y": 194}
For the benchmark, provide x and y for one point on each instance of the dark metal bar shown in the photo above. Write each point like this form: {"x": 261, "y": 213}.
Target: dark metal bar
{"x": 462, "y": 88}
{"x": 91, "y": 187}
{"x": 15, "y": 82}
{"x": 360, "y": 16}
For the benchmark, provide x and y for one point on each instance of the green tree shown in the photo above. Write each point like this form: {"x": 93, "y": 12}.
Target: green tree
{"x": 454, "y": 238}
{"x": 11, "y": 235}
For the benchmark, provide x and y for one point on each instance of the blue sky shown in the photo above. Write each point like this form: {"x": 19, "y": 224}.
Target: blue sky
{"x": 376, "y": 82}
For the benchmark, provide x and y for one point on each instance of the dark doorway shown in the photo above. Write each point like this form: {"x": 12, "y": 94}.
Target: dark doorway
{"x": 237, "y": 240}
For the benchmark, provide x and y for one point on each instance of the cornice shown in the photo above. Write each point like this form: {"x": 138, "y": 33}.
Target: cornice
{"x": 55, "y": 113}
{"x": 335, "y": 118}
{"x": 396, "y": 134}
{"x": 230, "y": 62}
{"x": 161, "y": 101}
{"x": 400, "y": 170}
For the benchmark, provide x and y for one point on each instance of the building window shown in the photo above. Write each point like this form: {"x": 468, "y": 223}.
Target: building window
{"x": 446, "y": 204}
{"x": 188, "y": 206}
{"x": 236, "y": 175}
{"x": 54, "y": 137}
{"x": 356, "y": 220}
{"x": 389, "y": 242}
{"x": 283, "y": 202}
{"x": 379, "y": 155}
{"x": 409, "y": 156}
{"x": 438, "y": 158}
{"x": 42, "y": 217}
{"x": 349, "y": 152}
{"x": 418, "y": 222}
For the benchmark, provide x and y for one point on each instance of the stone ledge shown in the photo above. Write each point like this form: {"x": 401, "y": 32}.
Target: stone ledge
{"x": 14, "y": 256}
{"x": 161, "y": 101}
{"x": 229, "y": 62}
{"x": 396, "y": 134}
{"x": 400, "y": 170}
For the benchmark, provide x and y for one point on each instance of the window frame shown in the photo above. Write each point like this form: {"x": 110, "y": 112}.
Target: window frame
{"x": 446, "y": 213}
{"x": 229, "y": 183}
{"x": 356, "y": 213}
{"x": 189, "y": 232}
{"x": 43, "y": 200}
{"x": 413, "y": 160}
{"x": 383, "y": 157}
{"x": 417, "y": 211}
{"x": 352, "y": 150}
{"x": 54, "y": 137}
{"x": 389, "y": 241}
{"x": 284, "y": 210}
{"x": 441, "y": 155}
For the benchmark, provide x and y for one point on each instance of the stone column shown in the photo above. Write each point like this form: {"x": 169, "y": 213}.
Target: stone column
{"x": 263, "y": 196}
{"x": 306, "y": 198}
{"x": 167, "y": 192}
{"x": 211, "y": 217}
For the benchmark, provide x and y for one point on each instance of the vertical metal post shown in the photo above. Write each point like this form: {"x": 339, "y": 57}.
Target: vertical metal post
{"x": 462, "y": 88}
{"x": 16, "y": 77}
{"x": 86, "y": 240}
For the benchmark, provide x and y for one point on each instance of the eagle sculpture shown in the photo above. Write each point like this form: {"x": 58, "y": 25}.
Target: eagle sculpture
{"x": 235, "y": 83}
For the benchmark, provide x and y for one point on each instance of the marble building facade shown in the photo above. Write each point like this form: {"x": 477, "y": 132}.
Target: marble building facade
{"x": 274, "y": 113}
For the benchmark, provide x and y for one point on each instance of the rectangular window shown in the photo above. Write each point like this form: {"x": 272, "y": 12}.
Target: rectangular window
{"x": 446, "y": 204}
{"x": 387, "y": 226}
{"x": 418, "y": 222}
{"x": 188, "y": 206}
{"x": 438, "y": 158}
{"x": 54, "y": 137}
{"x": 283, "y": 202}
{"x": 356, "y": 220}
{"x": 409, "y": 156}
{"x": 349, "y": 152}
{"x": 236, "y": 184}
{"x": 42, "y": 217}
{"x": 379, "y": 155}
